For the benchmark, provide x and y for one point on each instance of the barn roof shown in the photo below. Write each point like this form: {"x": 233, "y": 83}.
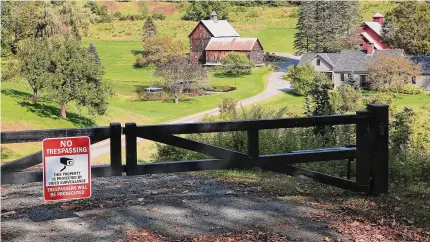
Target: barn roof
{"x": 231, "y": 43}
{"x": 375, "y": 26}
{"x": 220, "y": 28}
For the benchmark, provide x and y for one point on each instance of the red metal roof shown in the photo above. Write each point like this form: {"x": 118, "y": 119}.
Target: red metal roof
{"x": 231, "y": 44}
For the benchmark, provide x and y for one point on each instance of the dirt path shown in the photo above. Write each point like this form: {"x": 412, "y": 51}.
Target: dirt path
{"x": 172, "y": 205}
{"x": 276, "y": 85}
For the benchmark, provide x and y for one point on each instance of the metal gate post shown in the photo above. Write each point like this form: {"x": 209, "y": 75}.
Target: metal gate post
{"x": 379, "y": 147}
{"x": 130, "y": 148}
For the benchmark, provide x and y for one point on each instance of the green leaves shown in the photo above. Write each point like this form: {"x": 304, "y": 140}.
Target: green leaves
{"x": 301, "y": 78}
{"x": 408, "y": 27}
{"x": 326, "y": 26}
{"x": 237, "y": 64}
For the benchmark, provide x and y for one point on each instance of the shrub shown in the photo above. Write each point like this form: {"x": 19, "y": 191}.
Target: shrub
{"x": 404, "y": 89}
{"x": 159, "y": 16}
{"x": 117, "y": 15}
{"x": 301, "y": 78}
{"x": 253, "y": 14}
{"x": 221, "y": 89}
{"x": 237, "y": 64}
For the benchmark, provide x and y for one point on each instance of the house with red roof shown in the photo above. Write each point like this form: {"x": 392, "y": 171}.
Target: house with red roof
{"x": 371, "y": 32}
{"x": 213, "y": 39}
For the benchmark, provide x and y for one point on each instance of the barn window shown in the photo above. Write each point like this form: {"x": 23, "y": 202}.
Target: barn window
{"x": 318, "y": 62}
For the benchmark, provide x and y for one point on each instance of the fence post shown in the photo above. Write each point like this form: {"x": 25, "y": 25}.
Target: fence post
{"x": 253, "y": 147}
{"x": 379, "y": 147}
{"x": 362, "y": 162}
{"x": 115, "y": 149}
{"x": 130, "y": 148}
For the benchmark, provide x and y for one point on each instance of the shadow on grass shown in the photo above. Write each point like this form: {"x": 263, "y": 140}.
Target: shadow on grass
{"x": 223, "y": 75}
{"x": 181, "y": 100}
{"x": 16, "y": 94}
{"x": 48, "y": 111}
{"x": 136, "y": 52}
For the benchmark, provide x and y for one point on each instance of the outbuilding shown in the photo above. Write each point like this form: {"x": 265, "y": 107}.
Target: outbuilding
{"x": 213, "y": 39}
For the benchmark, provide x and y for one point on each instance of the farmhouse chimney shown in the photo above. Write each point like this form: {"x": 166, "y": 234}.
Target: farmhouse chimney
{"x": 379, "y": 18}
{"x": 370, "y": 48}
{"x": 214, "y": 17}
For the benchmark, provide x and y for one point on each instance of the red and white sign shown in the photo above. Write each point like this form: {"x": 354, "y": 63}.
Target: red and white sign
{"x": 66, "y": 168}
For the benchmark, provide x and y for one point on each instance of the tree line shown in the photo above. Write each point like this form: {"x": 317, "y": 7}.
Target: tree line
{"x": 49, "y": 55}
{"x": 328, "y": 26}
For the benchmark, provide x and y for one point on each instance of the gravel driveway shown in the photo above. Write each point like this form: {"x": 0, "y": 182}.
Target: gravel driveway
{"x": 172, "y": 205}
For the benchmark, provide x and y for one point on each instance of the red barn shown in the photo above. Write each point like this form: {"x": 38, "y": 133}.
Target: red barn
{"x": 212, "y": 39}
{"x": 371, "y": 32}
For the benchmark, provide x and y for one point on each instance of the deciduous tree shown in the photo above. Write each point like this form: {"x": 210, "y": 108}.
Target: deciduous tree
{"x": 48, "y": 22}
{"x": 199, "y": 10}
{"x": 237, "y": 64}
{"x": 77, "y": 77}
{"x": 157, "y": 49}
{"x": 179, "y": 74}
{"x": 77, "y": 18}
{"x": 407, "y": 27}
{"x": 149, "y": 29}
{"x": 35, "y": 57}
{"x": 301, "y": 78}
{"x": 391, "y": 70}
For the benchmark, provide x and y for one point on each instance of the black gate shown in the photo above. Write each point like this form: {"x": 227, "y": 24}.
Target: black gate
{"x": 370, "y": 151}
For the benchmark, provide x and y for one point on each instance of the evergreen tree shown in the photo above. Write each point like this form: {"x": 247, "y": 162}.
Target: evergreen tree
{"x": 149, "y": 29}
{"x": 326, "y": 26}
{"x": 352, "y": 80}
{"x": 93, "y": 51}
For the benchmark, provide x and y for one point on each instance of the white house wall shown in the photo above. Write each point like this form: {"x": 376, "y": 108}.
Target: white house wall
{"x": 324, "y": 66}
{"x": 424, "y": 82}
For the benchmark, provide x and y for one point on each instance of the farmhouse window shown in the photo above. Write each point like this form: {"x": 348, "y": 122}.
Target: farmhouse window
{"x": 414, "y": 80}
{"x": 318, "y": 62}
{"x": 342, "y": 77}
{"x": 329, "y": 75}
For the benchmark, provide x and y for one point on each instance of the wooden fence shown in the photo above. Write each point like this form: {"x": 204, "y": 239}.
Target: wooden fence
{"x": 370, "y": 151}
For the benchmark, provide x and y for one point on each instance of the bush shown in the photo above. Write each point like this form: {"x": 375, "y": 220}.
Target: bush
{"x": 404, "y": 89}
{"x": 237, "y": 64}
{"x": 301, "y": 78}
{"x": 221, "y": 89}
{"x": 117, "y": 15}
{"x": 409, "y": 163}
{"x": 253, "y": 14}
{"x": 159, "y": 16}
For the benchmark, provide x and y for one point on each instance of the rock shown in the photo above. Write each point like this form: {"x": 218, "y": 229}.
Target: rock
{"x": 140, "y": 199}
{"x": 154, "y": 193}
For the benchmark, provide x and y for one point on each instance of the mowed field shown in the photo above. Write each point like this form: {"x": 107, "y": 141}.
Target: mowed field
{"x": 117, "y": 42}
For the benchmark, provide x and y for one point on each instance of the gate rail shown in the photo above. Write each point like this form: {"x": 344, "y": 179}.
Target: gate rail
{"x": 370, "y": 151}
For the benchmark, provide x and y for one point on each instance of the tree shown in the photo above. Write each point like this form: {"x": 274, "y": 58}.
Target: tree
{"x": 93, "y": 51}
{"x": 77, "y": 18}
{"x": 157, "y": 49}
{"x": 17, "y": 24}
{"x": 149, "y": 29}
{"x": 199, "y": 10}
{"x": 320, "y": 94}
{"x": 392, "y": 70}
{"x": 301, "y": 78}
{"x": 346, "y": 99}
{"x": 48, "y": 22}
{"x": 352, "y": 80}
{"x": 179, "y": 74}
{"x": 35, "y": 57}
{"x": 143, "y": 7}
{"x": 326, "y": 26}
{"x": 321, "y": 102}
{"x": 77, "y": 77}
{"x": 407, "y": 27}
{"x": 237, "y": 64}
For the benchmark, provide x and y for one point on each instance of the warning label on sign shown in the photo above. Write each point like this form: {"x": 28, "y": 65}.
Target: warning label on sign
{"x": 67, "y": 168}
